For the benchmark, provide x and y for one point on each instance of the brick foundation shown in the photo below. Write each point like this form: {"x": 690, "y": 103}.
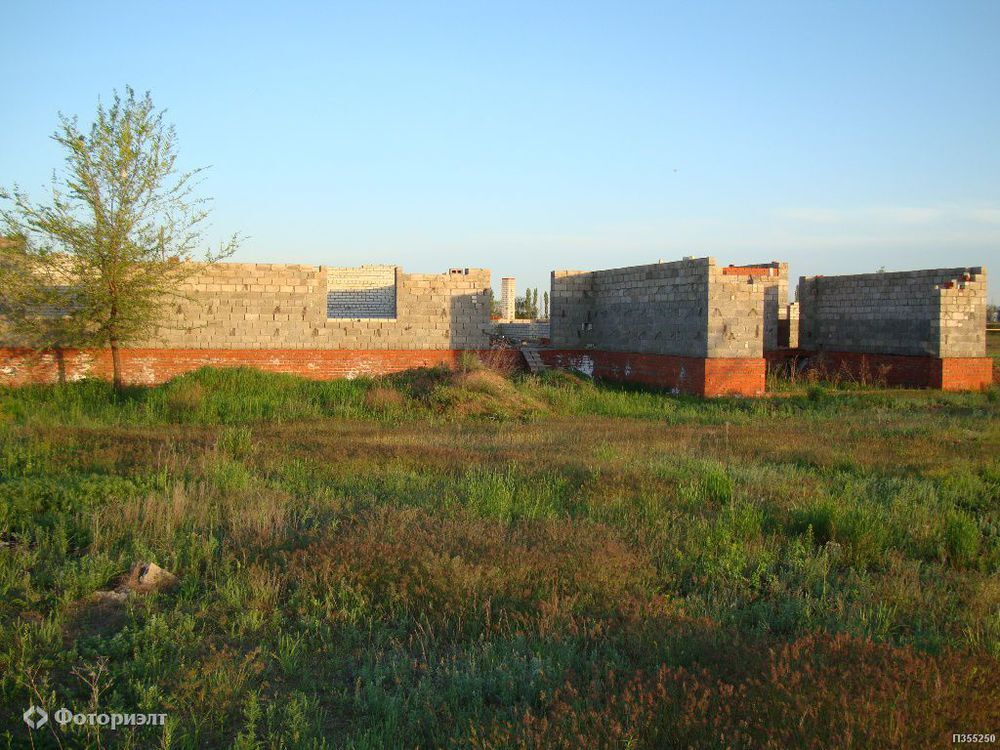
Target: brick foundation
{"x": 152, "y": 366}
{"x": 965, "y": 373}
{"x": 948, "y": 373}
{"x": 696, "y": 375}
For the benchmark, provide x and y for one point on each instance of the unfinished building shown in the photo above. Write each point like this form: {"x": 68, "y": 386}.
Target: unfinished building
{"x": 690, "y": 326}
{"x": 316, "y": 321}
{"x": 923, "y": 328}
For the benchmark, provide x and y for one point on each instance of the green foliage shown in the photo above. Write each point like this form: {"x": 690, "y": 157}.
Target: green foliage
{"x": 455, "y": 559}
{"x": 117, "y": 239}
{"x": 526, "y": 307}
{"x": 962, "y": 538}
{"x": 817, "y": 393}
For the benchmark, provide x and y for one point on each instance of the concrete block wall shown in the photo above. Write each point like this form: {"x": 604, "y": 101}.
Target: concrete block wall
{"x": 690, "y": 308}
{"x": 248, "y": 306}
{"x": 363, "y": 292}
{"x": 279, "y": 306}
{"x": 788, "y": 326}
{"x": 736, "y": 311}
{"x": 939, "y": 312}
{"x": 773, "y": 277}
{"x": 961, "y": 323}
{"x": 523, "y": 330}
{"x": 572, "y": 309}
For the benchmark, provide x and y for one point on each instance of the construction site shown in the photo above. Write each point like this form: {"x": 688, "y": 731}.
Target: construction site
{"x": 689, "y": 326}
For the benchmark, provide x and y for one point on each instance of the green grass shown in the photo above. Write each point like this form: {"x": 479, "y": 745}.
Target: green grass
{"x": 454, "y": 560}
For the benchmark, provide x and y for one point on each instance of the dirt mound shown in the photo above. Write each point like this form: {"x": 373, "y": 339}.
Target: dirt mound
{"x": 566, "y": 380}
{"x": 485, "y": 394}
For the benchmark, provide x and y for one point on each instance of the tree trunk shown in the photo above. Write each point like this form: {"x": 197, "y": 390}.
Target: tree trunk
{"x": 60, "y": 365}
{"x": 116, "y": 366}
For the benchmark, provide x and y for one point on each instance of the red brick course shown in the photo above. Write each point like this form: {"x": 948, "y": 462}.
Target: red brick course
{"x": 948, "y": 373}
{"x": 700, "y": 376}
{"x": 695, "y": 375}
{"x": 965, "y": 373}
{"x": 151, "y": 366}
{"x": 750, "y": 271}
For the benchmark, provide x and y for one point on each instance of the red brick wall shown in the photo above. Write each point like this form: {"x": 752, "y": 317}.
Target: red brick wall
{"x": 965, "y": 373}
{"x": 150, "y": 366}
{"x": 696, "y": 375}
{"x": 750, "y": 271}
{"x": 732, "y": 375}
{"x": 949, "y": 373}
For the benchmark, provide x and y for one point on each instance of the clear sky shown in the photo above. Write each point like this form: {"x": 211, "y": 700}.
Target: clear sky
{"x": 522, "y": 137}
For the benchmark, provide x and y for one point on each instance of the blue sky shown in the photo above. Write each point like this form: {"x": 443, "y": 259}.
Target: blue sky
{"x": 522, "y": 137}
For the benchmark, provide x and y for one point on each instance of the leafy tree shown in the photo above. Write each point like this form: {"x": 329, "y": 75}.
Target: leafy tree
{"x": 527, "y": 306}
{"x": 120, "y": 233}
{"x": 545, "y": 296}
{"x": 521, "y": 306}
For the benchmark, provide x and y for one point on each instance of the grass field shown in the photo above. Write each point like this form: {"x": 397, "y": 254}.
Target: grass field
{"x": 462, "y": 560}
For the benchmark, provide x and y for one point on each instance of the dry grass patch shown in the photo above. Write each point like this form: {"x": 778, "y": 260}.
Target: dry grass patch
{"x": 383, "y": 400}
{"x": 463, "y": 571}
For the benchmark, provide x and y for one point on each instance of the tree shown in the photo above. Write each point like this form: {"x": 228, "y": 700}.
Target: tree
{"x": 545, "y": 297}
{"x": 120, "y": 235}
{"x": 527, "y": 306}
